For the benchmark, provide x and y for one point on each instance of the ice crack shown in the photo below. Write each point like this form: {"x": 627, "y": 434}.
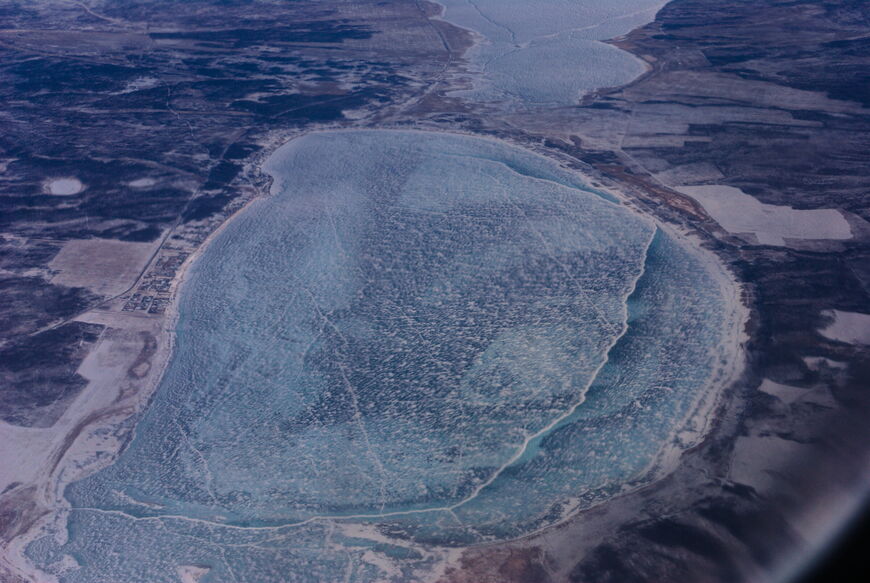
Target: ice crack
{"x": 493, "y": 22}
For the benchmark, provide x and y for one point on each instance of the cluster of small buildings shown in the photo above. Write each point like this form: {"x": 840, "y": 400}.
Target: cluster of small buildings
{"x": 155, "y": 287}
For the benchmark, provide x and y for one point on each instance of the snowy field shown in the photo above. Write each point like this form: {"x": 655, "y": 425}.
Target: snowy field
{"x": 739, "y": 212}
{"x": 849, "y": 327}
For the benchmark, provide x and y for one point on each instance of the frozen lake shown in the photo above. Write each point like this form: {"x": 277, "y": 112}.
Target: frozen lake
{"x": 440, "y": 337}
{"x": 549, "y": 51}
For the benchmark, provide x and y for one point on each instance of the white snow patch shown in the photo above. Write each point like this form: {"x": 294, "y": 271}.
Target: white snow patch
{"x": 849, "y": 327}
{"x": 65, "y": 186}
{"x": 784, "y": 393}
{"x": 383, "y": 564}
{"x": 817, "y": 363}
{"x": 22, "y": 445}
{"x": 739, "y": 212}
{"x": 142, "y": 183}
{"x": 138, "y": 85}
{"x": 192, "y": 573}
{"x": 105, "y": 266}
{"x": 756, "y": 456}
{"x": 788, "y": 394}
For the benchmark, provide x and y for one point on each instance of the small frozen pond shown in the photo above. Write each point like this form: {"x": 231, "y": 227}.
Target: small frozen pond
{"x": 64, "y": 186}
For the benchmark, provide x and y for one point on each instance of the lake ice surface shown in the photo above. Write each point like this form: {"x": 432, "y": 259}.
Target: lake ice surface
{"x": 419, "y": 340}
{"x": 548, "y": 51}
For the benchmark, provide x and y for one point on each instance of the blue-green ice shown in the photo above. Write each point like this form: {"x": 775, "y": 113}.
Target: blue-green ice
{"x": 419, "y": 340}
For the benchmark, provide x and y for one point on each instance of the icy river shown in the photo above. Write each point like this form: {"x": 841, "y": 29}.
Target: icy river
{"x": 550, "y": 53}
